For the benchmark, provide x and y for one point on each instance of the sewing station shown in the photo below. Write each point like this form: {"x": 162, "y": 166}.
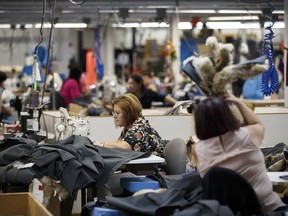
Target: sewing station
{"x": 64, "y": 65}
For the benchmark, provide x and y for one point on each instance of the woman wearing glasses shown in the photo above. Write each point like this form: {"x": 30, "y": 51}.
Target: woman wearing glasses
{"x": 137, "y": 134}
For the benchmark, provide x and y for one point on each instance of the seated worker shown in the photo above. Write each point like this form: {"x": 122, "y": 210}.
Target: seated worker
{"x": 151, "y": 82}
{"x": 4, "y": 110}
{"x": 137, "y": 133}
{"x": 135, "y": 85}
{"x": 71, "y": 88}
{"x": 224, "y": 143}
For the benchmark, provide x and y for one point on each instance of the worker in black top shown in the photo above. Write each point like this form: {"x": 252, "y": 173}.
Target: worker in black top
{"x": 135, "y": 85}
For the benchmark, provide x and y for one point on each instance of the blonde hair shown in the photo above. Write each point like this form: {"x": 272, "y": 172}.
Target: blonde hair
{"x": 130, "y": 106}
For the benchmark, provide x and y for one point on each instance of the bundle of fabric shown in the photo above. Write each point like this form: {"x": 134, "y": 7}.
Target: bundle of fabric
{"x": 74, "y": 162}
{"x": 181, "y": 199}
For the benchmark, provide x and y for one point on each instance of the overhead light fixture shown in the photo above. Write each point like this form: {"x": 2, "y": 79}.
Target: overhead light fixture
{"x": 142, "y": 25}
{"x": 71, "y": 25}
{"x": 5, "y": 26}
{"x": 67, "y": 11}
{"x": 240, "y": 25}
{"x": 28, "y": 26}
{"x": 63, "y": 25}
{"x": 240, "y": 11}
{"x": 141, "y": 11}
{"x": 125, "y": 25}
{"x": 279, "y": 24}
{"x": 108, "y": 11}
{"x": 154, "y": 25}
{"x": 229, "y": 18}
{"x": 278, "y": 12}
{"x": 195, "y": 11}
{"x": 184, "y": 25}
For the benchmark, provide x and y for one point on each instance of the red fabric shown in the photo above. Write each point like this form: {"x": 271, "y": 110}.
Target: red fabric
{"x": 90, "y": 68}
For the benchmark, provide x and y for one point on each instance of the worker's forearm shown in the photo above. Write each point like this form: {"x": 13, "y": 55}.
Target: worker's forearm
{"x": 117, "y": 144}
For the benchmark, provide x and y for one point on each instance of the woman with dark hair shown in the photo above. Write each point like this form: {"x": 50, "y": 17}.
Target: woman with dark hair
{"x": 135, "y": 85}
{"x": 223, "y": 142}
{"x": 71, "y": 87}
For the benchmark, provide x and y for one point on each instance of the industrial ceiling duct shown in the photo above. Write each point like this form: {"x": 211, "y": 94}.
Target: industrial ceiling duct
{"x": 160, "y": 14}
{"x": 124, "y": 13}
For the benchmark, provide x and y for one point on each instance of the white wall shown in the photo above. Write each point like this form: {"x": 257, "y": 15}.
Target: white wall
{"x": 103, "y": 128}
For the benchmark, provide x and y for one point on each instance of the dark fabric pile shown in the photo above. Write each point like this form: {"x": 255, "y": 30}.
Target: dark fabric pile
{"x": 183, "y": 198}
{"x": 75, "y": 161}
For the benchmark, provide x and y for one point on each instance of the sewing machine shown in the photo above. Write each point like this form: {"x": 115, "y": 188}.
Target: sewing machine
{"x": 71, "y": 125}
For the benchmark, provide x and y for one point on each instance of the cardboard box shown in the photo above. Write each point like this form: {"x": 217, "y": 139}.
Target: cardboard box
{"x": 21, "y": 204}
{"x": 76, "y": 109}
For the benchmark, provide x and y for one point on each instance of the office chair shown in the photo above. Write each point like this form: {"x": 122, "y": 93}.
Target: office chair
{"x": 175, "y": 156}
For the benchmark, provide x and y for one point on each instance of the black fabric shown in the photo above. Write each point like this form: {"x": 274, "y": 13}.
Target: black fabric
{"x": 182, "y": 193}
{"x": 231, "y": 189}
{"x": 59, "y": 101}
{"x": 149, "y": 96}
{"x": 14, "y": 176}
{"x": 206, "y": 208}
{"x": 75, "y": 161}
{"x": 95, "y": 111}
{"x": 83, "y": 100}
{"x": 166, "y": 181}
{"x": 16, "y": 148}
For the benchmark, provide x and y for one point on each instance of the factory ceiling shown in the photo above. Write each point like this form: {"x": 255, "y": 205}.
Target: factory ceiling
{"x": 94, "y": 12}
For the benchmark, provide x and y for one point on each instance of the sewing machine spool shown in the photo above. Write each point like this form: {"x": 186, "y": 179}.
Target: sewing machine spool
{"x": 34, "y": 99}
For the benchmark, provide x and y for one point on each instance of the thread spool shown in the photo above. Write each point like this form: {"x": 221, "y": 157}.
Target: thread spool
{"x": 34, "y": 99}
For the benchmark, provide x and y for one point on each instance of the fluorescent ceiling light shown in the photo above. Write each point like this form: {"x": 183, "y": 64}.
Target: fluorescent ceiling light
{"x": 28, "y": 26}
{"x": 67, "y": 11}
{"x": 278, "y": 12}
{"x": 197, "y": 11}
{"x": 125, "y": 25}
{"x": 62, "y": 25}
{"x": 233, "y": 18}
{"x": 141, "y": 11}
{"x": 184, "y": 25}
{"x": 164, "y": 25}
{"x": 142, "y": 25}
{"x": 239, "y": 25}
{"x": 5, "y": 26}
{"x": 154, "y": 25}
{"x": 71, "y": 25}
{"x": 279, "y": 25}
{"x": 108, "y": 11}
{"x": 239, "y": 12}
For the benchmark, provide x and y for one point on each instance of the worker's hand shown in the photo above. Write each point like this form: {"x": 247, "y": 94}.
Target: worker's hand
{"x": 102, "y": 144}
